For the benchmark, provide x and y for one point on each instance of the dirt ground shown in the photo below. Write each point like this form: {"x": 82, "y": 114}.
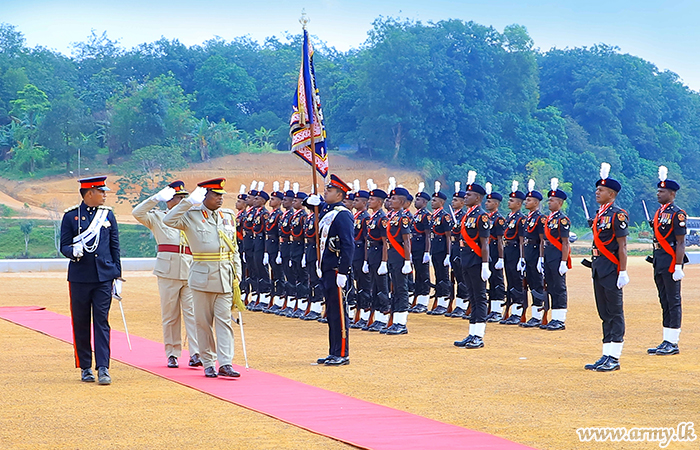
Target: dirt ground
{"x": 525, "y": 385}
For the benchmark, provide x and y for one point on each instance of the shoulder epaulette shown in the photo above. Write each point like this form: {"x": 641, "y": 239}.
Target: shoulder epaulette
{"x": 105, "y": 207}
{"x": 228, "y": 211}
{"x": 74, "y": 207}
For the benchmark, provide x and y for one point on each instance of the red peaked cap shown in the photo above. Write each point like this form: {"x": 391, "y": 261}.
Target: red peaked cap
{"x": 216, "y": 185}
{"x": 94, "y": 183}
{"x": 336, "y": 182}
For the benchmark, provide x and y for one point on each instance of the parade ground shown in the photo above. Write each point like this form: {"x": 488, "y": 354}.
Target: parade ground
{"x": 525, "y": 385}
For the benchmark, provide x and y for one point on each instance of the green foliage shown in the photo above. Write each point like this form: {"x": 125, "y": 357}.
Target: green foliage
{"x": 147, "y": 171}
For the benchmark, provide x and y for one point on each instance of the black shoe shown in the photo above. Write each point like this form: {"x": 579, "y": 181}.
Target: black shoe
{"x": 336, "y": 361}
{"x": 87, "y": 376}
{"x": 195, "y": 361}
{"x": 385, "y": 330}
{"x": 596, "y": 364}
{"x": 666, "y": 348}
{"x": 359, "y": 324}
{"x": 103, "y": 376}
{"x": 260, "y": 306}
{"x": 396, "y": 330}
{"x": 251, "y": 306}
{"x": 532, "y": 323}
{"x": 609, "y": 365}
{"x": 172, "y": 362}
{"x": 312, "y": 315}
{"x": 476, "y": 342}
{"x": 467, "y": 316}
{"x": 439, "y": 311}
{"x": 320, "y": 361}
{"x": 376, "y": 326}
{"x": 227, "y": 371}
{"x": 652, "y": 351}
{"x": 457, "y": 312}
{"x": 512, "y": 320}
{"x": 322, "y": 319}
{"x": 209, "y": 372}
{"x": 419, "y": 309}
{"x": 494, "y": 317}
{"x": 555, "y": 325}
{"x": 272, "y": 309}
{"x": 464, "y": 341}
{"x": 298, "y": 314}
{"x": 285, "y": 311}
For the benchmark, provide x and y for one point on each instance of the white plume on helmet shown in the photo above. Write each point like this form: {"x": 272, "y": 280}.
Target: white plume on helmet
{"x": 438, "y": 185}
{"x": 471, "y": 177}
{"x": 421, "y": 187}
{"x": 488, "y": 188}
{"x": 392, "y": 183}
{"x": 295, "y": 187}
{"x": 261, "y": 185}
{"x": 458, "y": 185}
{"x": 253, "y": 185}
{"x": 242, "y": 189}
{"x": 554, "y": 183}
{"x": 663, "y": 173}
{"x": 356, "y": 185}
{"x": 275, "y": 186}
{"x": 286, "y": 185}
{"x": 531, "y": 185}
{"x": 604, "y": 170}
{"x": 514, "y": 186}
{"x": 370, "y": 184}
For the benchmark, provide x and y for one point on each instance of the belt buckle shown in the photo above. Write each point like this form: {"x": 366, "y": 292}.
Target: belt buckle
{"x": 595, "y": 252}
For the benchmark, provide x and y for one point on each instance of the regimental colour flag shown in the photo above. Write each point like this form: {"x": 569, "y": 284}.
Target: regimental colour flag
{"x": 307, "y": 114}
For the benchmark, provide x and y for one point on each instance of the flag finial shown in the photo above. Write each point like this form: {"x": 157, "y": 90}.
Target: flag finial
{"x": 304, "y": 19}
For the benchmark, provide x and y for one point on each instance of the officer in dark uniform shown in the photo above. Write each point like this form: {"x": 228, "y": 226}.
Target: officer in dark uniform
{"x": 514, "y": 262}
{"x": 314, "y": 290}
{"x": 475, "y": 229}
{"x": 440, "y": 229}
{"x": 363, "y": 286}
{"x": 272, "y": 247}
{"x": 242, "y": 207}
{"x": 534, "y": 256}
{"x": 285, "y": 248}
{"x": 557, "y": 256}
{"x": 420, "y": 250}
{"x": 260, "y": 262}
{"x": 609, "y": 269}
{"x": 399, "y": 258}
{"x": 669, "y": 227}
{"x": 350, "y": 291}
{"x": 296, "y": 253}
{"x": 90, "y": 238}
{"x": 337, "y": 245}
{"x": 376, "y": 261}
{"x": 247, "y": 254}
{"x": 497, "y": 288}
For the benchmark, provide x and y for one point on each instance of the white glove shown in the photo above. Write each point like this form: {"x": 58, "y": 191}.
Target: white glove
{"x": 117, "y": 287}
{"x": 313, "y": 200}
{"x": 341, "y": 280}
{"x": 499, "y": 264}
{"x": 78, "y": 249}
{"x": 290, "y": 263}
{"x": 365, "y": 267}
{"x": 243, "y": 258}
{"x": 563, "y": 268}
{"x": 383, "y": 270}
{"x": 622, "y": 279}
{"x": 266, "y": 259}
{"x": 303, "y": 261}
{"x": 678, "y": 273}
{"x": 165, "y": 195}
{"x": 426, "y": 258}
{"x": 446, "y": 262}
{"x": 318, "y": 270}
{"x": 406, "y": 269}
{"x": 521, "y": 265}
{"x": 197, "y": 196}
{"x": 278, "y": 260}
{"x": 540, "y": 264}
{"x": 485, "y": 272}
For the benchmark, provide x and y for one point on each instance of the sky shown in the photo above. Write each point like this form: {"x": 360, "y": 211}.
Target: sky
{"x": 663, "y": 32}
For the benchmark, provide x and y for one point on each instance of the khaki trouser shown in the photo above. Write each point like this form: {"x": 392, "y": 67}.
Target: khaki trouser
{"x": 176, "y": 296}
{"x": 214, "y": 308}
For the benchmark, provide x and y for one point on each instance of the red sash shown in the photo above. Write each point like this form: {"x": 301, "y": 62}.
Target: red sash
{"x": 600, "y": 245}
{"x": 558, "y": 244}
{"x": 662, "y": 239}
{"x": 472, "y": 243}
{"x": 392, "y": 240}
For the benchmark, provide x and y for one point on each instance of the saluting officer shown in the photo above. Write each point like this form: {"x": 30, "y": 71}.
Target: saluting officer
{"x": 440, "y": 229}
{"x": 514, "y": 262}
{"x": 534, "y": 256}
{"x": 420, "y": 250}
{"x": 475, "y": 230}
{"x": 172, "y": 268}
{"x": 90, "y": 238}
{"x": 260, "y": 261}
{"x": 669, "y": 227}
{"x": 609, "y": 269}
{"x": 497, "y": 288}
{"x": 337, "y": 246}
{"x": 216, "y": 268}
{"x": 242, "y": 207}
{"x": 272, "y": 246}
{"x": 557, "y": 256}
{"x": 363, "y": 286}
{"x": 376, "y": 262}
{"x": 398, "y": 233}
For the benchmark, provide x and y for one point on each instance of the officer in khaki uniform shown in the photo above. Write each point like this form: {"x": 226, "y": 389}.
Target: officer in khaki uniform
{"x": 172, "y": 268}
{"x": 216, "y": 267}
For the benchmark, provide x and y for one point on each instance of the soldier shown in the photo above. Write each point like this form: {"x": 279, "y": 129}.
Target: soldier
{"x": 282, "y": 257}
{"x": 534, "y": 256}
{"x": 259, "y": 262}
{"x": 272, "y": 246}
{"x": 669, "y": 227}
{"x": 398, "y": 233}
{"x": 308, "y": 263}
{"x": 609, "y": 269}
{"x": 363, "y": 286}
{"x": 440, "y": 229}
{"x": 337, "y": 246}
{"x": 497, "y": 289}
{"x": 215, "y": 271}
{"x": 242, "y": 206}
{"x": 247, "y": 255}
{"x": 375, "y": 263}
{"x": 557, "y": 256}
{"x": 475, "y": 230}
{"x": 90, "y": 238}
{"x": 420, "y": 250}
{"x": 514, "y": 262}
{"x": 461, "y": 304}
{"x": 172, "y": 267}
{"x": 350, "y": 292}
{"x": 296, "y": 253}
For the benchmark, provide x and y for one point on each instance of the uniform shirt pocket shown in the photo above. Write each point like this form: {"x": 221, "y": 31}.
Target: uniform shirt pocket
{"x": 162, "y": 266}
{"x": 199, "y": 277}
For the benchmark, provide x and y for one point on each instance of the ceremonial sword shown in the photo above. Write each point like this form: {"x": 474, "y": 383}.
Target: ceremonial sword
{"x": 121, "y": 308}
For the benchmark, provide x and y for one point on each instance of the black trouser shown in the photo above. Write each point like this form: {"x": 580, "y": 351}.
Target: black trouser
{"x": 608, "y": 300}
{"x": 298, "y": 281}
{"x": 442, "y": 275}
{"x": 315, "y": 291}
{"x": 245, "y": 285}
{"x": 457, "y": 271}
{"x": 497, "y": 288}
{"x": 248, "y": 254}
{"x": 556, "y": 284}
{"x": 670, "y": 298}
{"x": 399, "y": 280}
{"x": 336, "y": 313}
{"x": 272, "y": 246}
{"x": 363, "y": 286}
{"x": 421, "y": 284}
{"x": 535, "y": 281}
{"x": 289, "y": 280}
{"x": 511, "y": 255}
{"x": 379, "y": 283}
{"x": 476, "y": 288}
{"x": 261, "y": 272}
{"x": 88, "y": 299}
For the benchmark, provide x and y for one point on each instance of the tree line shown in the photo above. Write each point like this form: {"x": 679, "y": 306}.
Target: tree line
{"x": 443, "y": 97}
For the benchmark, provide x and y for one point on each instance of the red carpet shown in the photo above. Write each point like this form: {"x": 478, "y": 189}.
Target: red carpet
{"x": 356, "y": 422}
